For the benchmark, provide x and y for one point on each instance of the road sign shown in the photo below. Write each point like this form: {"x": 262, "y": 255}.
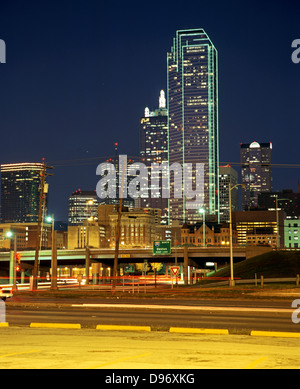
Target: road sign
{"x": 161, "y": 247}
{"x": 129, "y": 268}
{"x": 175, "y": 270}
{"x": 124, "y": 255}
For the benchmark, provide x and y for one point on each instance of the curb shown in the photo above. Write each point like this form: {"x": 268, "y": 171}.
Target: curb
{"x": 182, "y": 330}
{"x": 55, "y": 325}
{"x": 106, "y": 327}
{"x": 212, "y": 331}
{"x": 276, "y": 334}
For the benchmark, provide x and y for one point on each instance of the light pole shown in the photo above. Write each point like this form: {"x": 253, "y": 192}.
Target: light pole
{"x": 231, "y": 281}
{"x": 50, "y": 219}
{"x": 10, "y": 235}
{"x": 277, "y": 219}
{"x": 202, "y": 210}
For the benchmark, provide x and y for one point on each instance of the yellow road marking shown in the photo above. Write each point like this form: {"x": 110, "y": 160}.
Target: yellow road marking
{"x": 276, "y": 334}
{"x": 255, "y": 363}
{"x": 54, "y": 325}
{"x": 212, "y": 331}
{"x": 120, "y": 360}
{"x": 23, "y": 352}
{"x": 122, "y": 328}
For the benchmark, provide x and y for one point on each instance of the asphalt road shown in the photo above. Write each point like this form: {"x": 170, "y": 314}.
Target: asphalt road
{"x": 33, "y": 348}
{"x": 238, "y": 316}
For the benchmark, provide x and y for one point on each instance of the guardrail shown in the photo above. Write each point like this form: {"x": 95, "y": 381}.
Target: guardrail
{"x": 256, "y": 281}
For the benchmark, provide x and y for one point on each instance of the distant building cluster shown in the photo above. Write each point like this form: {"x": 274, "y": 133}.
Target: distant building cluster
{"x": 184, "y": 128}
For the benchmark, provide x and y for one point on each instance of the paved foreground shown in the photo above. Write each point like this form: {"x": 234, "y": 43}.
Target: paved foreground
{"x": 54, "y": 348}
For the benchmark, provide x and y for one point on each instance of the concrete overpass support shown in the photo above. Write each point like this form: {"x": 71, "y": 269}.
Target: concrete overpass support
{"x": 87, "y": 265}
{"x": 186, "y": 265}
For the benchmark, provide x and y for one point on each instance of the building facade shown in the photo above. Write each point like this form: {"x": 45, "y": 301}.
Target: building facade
{"x": 292, "y": 233}
{"x": 83, "y": 205}
{"x": 192, "y": 101}
{"x": 256, "y": 172}
{"x": 138, "y": 228}
{"x": 207, "y": 234}
{"x": 87, "y": 235}
{"x": 259, "y": 228}
{"x": 227, "y": 175}
{"x": 25, "y": 235}
{"x": 154, "y": 149}
{"x": 20, "y": 196}
{"x": 287, "y": 200}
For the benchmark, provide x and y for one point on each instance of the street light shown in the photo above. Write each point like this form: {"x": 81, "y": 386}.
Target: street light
{"x": 10, "y": 235}
{"x": 50, "y": 219}
{"x": 202, "y": 210}
{"x": 231, "y": 281}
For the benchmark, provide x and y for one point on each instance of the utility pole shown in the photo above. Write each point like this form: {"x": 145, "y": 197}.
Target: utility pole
{"x": 38, "y": 237}
{"x": 117, "y": 241}
{"x": 115, "y": 269}
{"x": 54, "y": 262}
{"x": 230, "y": 188}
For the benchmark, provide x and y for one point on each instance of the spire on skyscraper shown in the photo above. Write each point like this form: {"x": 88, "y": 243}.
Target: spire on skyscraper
{"x": 162, "y": 99}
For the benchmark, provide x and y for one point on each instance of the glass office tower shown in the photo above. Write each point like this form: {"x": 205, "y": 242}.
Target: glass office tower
{"x": 20, "y": 194}
{"x": 227, "y": 175}
{"x": 154, "y": 149}
{"x": 256, "y": 172}
{"x": 192, "y": 97}
{"x": 83, "y": 205}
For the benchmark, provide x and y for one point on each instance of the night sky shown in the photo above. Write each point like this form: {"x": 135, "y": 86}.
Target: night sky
{"x": 79, "y": 74}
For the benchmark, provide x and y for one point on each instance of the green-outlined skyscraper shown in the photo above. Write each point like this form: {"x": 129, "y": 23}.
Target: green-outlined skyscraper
{"x": 192, "y": 97}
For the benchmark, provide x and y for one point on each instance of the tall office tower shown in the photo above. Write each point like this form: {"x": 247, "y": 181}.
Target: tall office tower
{"x": 127, "y": 201}
{"x": 83, "y": 205}
{"x": 192, "y": 100}
{"x": 154, "y": 149}
{"x": 256, "y": 172}
{"x": 20, "y": 196}
{"x": 227, "y": 175}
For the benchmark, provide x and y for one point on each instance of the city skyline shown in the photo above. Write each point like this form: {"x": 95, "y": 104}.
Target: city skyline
{"x": 65, "y": 97}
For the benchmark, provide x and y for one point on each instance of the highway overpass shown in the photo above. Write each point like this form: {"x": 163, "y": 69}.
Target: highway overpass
{"x": 197, "y": 256}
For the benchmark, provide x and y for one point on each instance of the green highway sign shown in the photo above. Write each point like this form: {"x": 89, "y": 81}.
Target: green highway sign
{"x": 161, "y": 247}
{"x": 129, "y": 268}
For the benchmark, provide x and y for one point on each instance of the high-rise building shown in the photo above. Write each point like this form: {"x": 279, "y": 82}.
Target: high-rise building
{"x": 154, "y": 149}
{"x": 286, "y": 200}
{"x": 192, "y": 101}
{"x": 127, "y": 201}
{"x": 227, "y": 175}
{"x": 83, "y": 205}
{"x": 256, "y": 172}
{"x": 20, "y": 195}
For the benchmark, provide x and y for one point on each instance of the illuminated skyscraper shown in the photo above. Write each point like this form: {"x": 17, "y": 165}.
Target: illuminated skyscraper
{"x": 227, "y": 175}
{"x": 154, "y": 149}
{"x": 256, "y": 172}
{"x": 83, "y": 205}
{"x": 20, "y": 194}
{"x": 192, "y": 100}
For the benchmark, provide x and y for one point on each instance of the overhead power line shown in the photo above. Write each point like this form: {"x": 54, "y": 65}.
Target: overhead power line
{"x": 111, "y": 158}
